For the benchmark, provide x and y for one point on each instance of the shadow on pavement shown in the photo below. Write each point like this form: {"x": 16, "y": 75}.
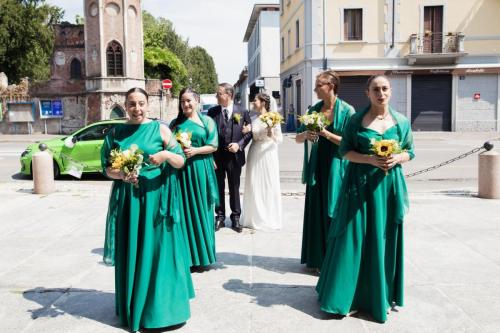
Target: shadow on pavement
{"x": 300, "y": 297}
{"x": 87, "y": 303}
{"x": 273, "y": 264}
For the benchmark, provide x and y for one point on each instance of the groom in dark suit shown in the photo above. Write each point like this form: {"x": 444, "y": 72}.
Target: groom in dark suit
{"x": 230, "y": 156}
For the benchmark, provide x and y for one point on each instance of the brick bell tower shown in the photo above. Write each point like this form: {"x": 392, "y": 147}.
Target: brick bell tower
{"x": 114, "y": 55}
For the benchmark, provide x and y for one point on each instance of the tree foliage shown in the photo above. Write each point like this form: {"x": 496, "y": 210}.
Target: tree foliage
{"x": 201, "y": 70}
{"x": 159, "y": 34}
{"x": 161, "y": 63}
{"x": 27, "y": 38}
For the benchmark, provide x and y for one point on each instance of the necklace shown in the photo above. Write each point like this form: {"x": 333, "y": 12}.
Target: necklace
{"x": 382, "y": 117}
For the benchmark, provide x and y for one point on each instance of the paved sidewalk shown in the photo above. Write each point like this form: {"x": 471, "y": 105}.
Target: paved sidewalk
{"x": 52, "y": 278}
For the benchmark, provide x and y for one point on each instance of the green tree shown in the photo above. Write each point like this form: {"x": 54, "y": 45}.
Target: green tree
{"x": 201, "y": 70}
{"x": 27, "y": 38}
{"x": 159, "y": 34}
{"x": 161, "y": 63}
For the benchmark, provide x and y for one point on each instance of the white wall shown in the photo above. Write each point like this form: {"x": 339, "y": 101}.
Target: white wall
{"x": 477, "y": 115}
{"x": 269, "y": 43}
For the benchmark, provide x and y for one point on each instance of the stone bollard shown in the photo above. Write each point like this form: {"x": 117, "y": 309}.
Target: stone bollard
{"x": 43, "y": 171}
{"x": 489, "y": 174}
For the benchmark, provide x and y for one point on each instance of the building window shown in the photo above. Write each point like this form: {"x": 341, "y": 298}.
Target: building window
{"x": 353, "y": 24}
{"x": 114, "y": 59}
{"x": 282, "y": 48}
{"x": 297, "y": 34}
{"x": 289, "y": 41}
{"x": 75, "y": 69}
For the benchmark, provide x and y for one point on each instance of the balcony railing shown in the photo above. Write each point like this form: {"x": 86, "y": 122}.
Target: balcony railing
{"x": 436, "y": 48}
{"x": 427, "y": 43}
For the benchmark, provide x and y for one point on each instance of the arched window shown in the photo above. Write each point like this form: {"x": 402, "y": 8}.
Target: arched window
{"x": 114, "y": 57}
{"x": 76, "y": 69}
{"x": 117, "y": 112}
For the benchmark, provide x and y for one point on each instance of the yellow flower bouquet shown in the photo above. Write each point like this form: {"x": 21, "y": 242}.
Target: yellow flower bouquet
{"x": 128, "y": 161}
{"x": 184, "y": 139}
{"x": 271, "y": 119}
{"x": 385, "y": 148}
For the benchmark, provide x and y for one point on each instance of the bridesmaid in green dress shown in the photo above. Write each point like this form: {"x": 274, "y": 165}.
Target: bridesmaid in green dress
{"x": 363, "y": 267}
{"x": 144, "y": 239}
{"x": 198, "y": 180}
{"x": 324, "y": 169}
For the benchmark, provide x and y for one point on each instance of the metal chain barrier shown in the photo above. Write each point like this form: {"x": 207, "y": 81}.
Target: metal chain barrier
{"x": 486, "y": 146}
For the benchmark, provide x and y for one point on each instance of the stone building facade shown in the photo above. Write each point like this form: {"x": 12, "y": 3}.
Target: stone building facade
{"x": 92, "y": 67}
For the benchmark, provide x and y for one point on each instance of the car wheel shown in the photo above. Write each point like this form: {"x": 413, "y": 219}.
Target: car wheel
{"x": 57, "y": 172}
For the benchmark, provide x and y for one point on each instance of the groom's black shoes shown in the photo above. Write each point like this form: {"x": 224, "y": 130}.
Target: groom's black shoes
{"x": 219, "y": 223}
{"x": 236, "y": 225}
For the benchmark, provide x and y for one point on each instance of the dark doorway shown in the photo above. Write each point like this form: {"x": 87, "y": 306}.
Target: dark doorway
{"x": 352, "y": 90}
{"x": 431, "y": 102}
{"x": 433, "y": 29}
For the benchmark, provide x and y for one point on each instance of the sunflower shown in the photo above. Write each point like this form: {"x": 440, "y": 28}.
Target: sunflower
{"x": 385, "y": 148}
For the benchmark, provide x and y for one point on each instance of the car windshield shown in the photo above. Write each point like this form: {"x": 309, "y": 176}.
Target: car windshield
{"x": 97, "y": 132}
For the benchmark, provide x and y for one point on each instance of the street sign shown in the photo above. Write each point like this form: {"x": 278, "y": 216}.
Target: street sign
{"x": 259, "y": 83}
{"x": 51, "y": 109}
{"x": 166, "y": 84}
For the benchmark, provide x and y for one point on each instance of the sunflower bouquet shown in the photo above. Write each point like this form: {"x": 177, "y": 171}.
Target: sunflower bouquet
{"x": 271, "y": 119}
{"x": 314, "y": 121}
{"x": 385, "y": 148}
{"x": 184, "y": 138}
{"x": 127, "y": 161}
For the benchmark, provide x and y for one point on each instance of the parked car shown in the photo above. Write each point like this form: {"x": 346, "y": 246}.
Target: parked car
{"x": 73, "y": 154}
{"x": 207, "y": 101}
{"x": 206, "y": 107}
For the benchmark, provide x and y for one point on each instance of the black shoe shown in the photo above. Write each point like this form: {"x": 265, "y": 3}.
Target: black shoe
{"x": 236, "y": 226}
{"x": 219, "y": 224}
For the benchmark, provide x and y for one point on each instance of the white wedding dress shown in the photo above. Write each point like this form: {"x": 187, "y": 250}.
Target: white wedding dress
{"x": 262, "y": 196}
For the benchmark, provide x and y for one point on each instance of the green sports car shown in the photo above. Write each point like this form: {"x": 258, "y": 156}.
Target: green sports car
{"x": 75, "y": 154}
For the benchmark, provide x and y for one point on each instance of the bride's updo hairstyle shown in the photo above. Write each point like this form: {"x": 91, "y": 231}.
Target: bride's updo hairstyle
{"x": 264, "y": 98}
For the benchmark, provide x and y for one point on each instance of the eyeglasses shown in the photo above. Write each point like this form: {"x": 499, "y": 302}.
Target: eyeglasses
{"x": 220, "y": 94}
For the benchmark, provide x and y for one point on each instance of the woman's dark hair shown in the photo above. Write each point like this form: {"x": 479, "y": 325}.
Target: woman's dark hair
{"x": 332, "y": 77}
{"x": 373, "y": 77}
{"x": 180, "y": 115}
{"x": 136, "y": 90}
{"x": 264, "y": 98}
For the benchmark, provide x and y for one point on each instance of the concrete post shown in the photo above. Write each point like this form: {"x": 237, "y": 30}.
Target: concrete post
{"x": 489, "y": 175}
{"x": 43, "y": 172}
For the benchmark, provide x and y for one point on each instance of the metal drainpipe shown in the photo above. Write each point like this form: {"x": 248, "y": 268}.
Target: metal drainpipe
{"x": 393, "y": 21}
{"x": 324, "y": 37}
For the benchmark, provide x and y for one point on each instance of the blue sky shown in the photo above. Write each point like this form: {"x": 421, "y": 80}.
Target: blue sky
{"x": 216, "y": 25}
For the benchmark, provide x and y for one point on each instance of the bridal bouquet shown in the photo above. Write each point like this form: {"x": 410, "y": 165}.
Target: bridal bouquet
{"x": 184, "y": 138}
{"x": 128, "y": 161}
{"x": 271, "y": 119}
{"x": 315, "y": 121}
{"x": 385, "y": 148}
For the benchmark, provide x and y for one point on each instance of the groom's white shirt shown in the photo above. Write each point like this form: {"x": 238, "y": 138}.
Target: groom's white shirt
{"x": 229, "y": 109}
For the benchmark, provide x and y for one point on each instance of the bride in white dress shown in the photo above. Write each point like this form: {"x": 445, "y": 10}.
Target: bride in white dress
{"x": 262, "y": 196}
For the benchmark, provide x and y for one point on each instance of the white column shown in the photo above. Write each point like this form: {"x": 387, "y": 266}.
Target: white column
{"x": 408, "y": 97}
{"x": 454, "y": 93}
{"x": 498, "y": 102}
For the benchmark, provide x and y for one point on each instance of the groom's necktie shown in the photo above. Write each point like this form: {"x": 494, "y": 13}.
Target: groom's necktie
{"x": 226, "y": 116}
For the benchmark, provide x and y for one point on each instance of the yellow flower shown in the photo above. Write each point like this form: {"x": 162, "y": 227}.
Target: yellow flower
{"x": 237, "y": 117}
{"x": 385, "y": 148}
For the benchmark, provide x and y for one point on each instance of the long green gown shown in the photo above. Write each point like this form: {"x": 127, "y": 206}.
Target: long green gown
{"x": 363, "y": 267}
{"x": 322, "y": 173}
{"x": 144, "y": 239}
{"x": 199, "y": 191}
